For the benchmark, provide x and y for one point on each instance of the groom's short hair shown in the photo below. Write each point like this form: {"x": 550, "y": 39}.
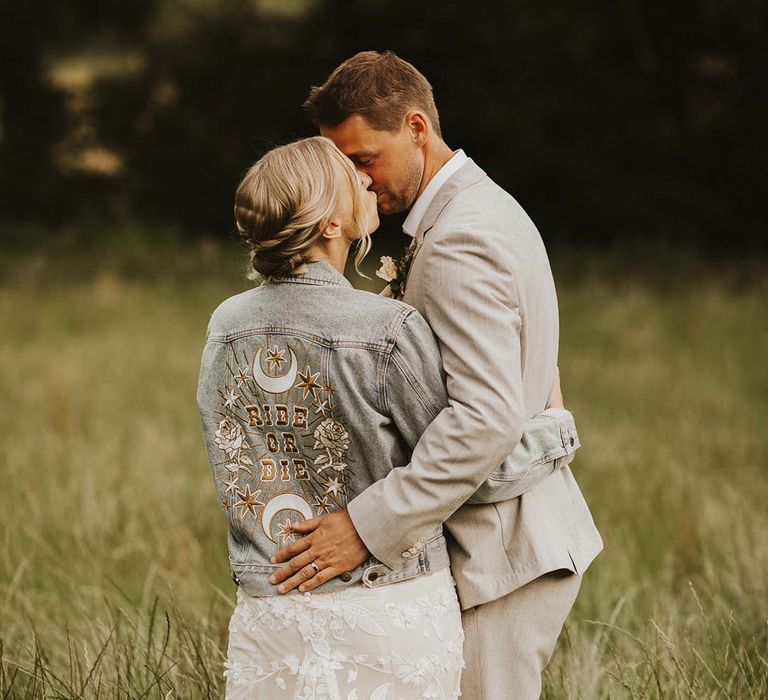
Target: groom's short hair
{"x": 381, "y": 87}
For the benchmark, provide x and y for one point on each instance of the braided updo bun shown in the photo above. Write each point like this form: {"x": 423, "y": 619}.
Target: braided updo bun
{"x": 285, "y": 200}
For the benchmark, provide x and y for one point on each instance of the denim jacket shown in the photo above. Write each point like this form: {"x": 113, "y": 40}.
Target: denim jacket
{"x": 310, "y": 391}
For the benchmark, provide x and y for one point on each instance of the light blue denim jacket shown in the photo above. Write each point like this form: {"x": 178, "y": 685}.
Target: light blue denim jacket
{"x": 310, "y": 391}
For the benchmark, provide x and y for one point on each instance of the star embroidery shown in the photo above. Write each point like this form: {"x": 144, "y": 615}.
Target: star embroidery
{"x": 231, "y": 398}
{"x": 275, "y": 358}
{"x": 334, "y": 486}
{"x": 321, "y": 407}
{"x": 243, "y": 375}
{"x": 225, "y": 505}
{"x": 328, "y": 389}
{"x": 308, "y": 382}
{"x": 231, "y": 484}
{"x": 285, "y": 533}
{"x": 248, "y": 500}
{"x": 322, "y": 505}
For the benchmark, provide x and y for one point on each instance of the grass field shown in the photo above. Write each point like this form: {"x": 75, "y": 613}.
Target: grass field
{"x": 113, "y": 566}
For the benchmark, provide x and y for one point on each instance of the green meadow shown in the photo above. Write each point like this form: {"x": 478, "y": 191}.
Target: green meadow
{"x": 114, "y": 580}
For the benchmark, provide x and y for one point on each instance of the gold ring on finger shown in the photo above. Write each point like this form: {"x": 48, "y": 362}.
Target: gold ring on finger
{"x": 315, "y": 567}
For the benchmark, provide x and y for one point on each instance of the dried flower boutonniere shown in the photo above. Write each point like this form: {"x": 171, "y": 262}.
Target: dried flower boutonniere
{"x": 396, "y": 271}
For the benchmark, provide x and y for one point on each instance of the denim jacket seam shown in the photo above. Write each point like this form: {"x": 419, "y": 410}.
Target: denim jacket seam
{"x": 414, "y": 385}
{"x": 405, "y": 370}
{"x": 550, "y": 456}
{"x": 382, "y": 392}
{"x": 315, "y": 281}
{"x": 397, "y": 326}
{"x": 285, "y": 330}
{"x": 413, "y": 567}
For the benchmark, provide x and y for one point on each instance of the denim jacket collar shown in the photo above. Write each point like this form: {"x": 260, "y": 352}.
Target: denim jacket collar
{"x": 319, "y": 272}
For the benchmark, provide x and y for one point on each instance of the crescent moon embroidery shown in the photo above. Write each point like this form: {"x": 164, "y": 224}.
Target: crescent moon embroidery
{"x": 275, "y": 385}
{"x": 285, "y": 501}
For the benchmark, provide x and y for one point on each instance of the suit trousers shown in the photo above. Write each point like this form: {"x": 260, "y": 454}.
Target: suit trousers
{"x": 509, "y": 641}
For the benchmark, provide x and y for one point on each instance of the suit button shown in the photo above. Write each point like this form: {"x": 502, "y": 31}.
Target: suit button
{"x": 572, "y": 441}
{"x": 346, "y": 577}
{"x": 373, "y": 576}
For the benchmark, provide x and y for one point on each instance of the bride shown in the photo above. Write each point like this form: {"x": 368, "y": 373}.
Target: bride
{"x": 310, "y": 391}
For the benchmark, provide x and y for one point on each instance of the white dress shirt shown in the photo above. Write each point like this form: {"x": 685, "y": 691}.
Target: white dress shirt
{"x": 420, "y": 206}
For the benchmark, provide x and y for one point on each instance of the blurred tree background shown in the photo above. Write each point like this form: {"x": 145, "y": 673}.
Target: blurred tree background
{"x": 606, "y": 121}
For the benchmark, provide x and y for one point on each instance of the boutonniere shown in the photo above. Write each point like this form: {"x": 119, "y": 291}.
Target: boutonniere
{"x": 396, "y": 271}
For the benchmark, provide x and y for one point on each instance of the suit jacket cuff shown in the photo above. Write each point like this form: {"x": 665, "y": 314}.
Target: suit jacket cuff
{"x": 368, "y": 523}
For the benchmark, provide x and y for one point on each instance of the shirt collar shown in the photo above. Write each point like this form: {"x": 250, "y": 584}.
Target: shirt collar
{"x": 420, "y": 206}
{"x": 319, "y": 272}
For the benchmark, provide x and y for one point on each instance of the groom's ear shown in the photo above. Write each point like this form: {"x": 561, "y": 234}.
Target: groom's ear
{"x": 418, "y": 126}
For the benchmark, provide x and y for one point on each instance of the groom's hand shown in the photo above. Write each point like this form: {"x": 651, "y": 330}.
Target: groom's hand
{"x": 330, "y": 542}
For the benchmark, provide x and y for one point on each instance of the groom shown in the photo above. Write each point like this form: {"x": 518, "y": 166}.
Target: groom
{"x": 481, "y": 278}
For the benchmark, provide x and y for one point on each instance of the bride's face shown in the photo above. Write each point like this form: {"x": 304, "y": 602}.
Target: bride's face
{"x": 345, "y": 204}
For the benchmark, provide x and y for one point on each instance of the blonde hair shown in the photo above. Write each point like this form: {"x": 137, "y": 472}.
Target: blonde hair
{"x": 285, "y": 201}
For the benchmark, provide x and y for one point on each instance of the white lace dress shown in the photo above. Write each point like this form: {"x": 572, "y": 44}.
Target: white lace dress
{"x": 394, "y": 642}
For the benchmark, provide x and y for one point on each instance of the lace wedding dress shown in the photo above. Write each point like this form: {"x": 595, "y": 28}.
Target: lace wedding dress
{"x": 394, "y": 642}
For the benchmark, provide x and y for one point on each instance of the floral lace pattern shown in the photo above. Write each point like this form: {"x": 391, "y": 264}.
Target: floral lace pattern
{"x": 394, "y": 642}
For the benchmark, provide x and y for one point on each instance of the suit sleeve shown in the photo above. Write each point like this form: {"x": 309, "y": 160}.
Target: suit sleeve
{"x": 472, "y": 308}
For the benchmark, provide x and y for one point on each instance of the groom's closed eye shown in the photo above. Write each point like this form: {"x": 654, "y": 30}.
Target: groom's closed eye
{"x": 362, "y": 159}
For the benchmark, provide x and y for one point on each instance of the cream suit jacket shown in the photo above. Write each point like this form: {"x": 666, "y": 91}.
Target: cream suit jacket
{"x": 481, "y": 278}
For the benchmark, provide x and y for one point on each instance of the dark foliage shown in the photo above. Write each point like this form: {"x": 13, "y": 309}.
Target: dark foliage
{"x": 603, "y": 120}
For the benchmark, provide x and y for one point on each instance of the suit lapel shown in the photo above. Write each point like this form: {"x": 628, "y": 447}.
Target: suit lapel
{"x": 467, "y": 175}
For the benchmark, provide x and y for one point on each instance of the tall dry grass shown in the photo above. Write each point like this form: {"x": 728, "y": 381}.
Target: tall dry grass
{"x": 113, "y": 567}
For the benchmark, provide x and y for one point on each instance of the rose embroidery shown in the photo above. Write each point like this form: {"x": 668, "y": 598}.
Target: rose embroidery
{"x": 230, "y": 439}
{"x": 332, "y": 437}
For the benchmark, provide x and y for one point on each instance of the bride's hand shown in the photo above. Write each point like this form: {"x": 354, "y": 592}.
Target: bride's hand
{"x": 330, "y": 542}
{"x": 556, "y": 395}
